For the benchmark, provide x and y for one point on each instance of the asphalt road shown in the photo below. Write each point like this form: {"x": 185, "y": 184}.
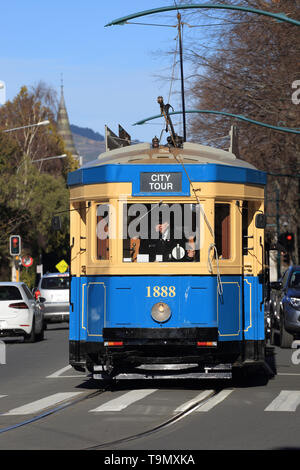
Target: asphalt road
{"x": 246, "y": 416}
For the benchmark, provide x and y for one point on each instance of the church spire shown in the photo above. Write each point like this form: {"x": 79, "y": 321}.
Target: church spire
{"x": 62, "y": 99}
{"x": 63, "y": 124}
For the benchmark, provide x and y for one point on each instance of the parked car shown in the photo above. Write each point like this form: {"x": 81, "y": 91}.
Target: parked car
{"x": 285, "y": 308}
{"x": 20, "y": 313}
{"x": 54, "y": 292}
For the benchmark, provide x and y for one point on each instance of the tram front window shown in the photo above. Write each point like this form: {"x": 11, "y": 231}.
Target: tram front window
{"x": 161, "y": 233}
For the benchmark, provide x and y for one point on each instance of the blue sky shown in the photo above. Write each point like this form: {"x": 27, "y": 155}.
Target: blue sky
{"x": 110, "y": 74}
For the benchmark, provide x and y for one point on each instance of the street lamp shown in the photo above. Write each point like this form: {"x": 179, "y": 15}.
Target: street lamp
{"x": 41, "y": 123}
{"x": 50, "y": 158}
{"x": 42, "y": 160}
{"x": 2, "y": 87}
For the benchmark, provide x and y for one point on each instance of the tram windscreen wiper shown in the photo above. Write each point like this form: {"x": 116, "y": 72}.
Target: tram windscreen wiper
{"x": 150, "y": 210}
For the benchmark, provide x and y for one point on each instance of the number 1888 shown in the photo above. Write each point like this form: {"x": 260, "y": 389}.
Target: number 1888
{"x": 161, "y": 291}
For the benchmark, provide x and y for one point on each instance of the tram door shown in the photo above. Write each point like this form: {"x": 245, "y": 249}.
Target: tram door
{"x": 229, "y": 300}
{"x": 78, "y": 238}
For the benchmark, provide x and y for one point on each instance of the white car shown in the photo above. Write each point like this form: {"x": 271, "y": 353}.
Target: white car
{"x": 54, "y": 292}
{"x": 20, "y": 313}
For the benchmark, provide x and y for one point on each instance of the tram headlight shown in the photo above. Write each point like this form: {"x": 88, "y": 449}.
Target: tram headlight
{"x": 161, "y": 312}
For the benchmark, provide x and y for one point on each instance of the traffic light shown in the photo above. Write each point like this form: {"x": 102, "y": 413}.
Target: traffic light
{"x": 15, "y": 245}
{"x": 286, "y": 258}
{"x": 287, "y": 241}
{"x": 290, "y": 242}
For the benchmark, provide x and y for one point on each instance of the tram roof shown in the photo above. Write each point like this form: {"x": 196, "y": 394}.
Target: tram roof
{"x": 127, "y": 164}
{"x": 190, "y": 153}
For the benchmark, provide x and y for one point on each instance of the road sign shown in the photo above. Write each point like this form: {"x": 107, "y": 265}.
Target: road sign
{"x": 62, "y": 266}
{"x": 27, "y": 261}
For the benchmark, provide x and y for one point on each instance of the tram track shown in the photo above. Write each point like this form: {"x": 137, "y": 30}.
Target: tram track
{"x": 73, "y": 402}
{"x": 52, "y": 411}
{"x": 169, "y": 422}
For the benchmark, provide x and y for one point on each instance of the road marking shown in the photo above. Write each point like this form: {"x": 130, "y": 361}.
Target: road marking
{"x": 124, "y": 401}
{"x": 286, "y": 373}
{"x": 59, "y": 372}
{"x": 42, "y": 404}
{"x": 192, "y": 402}
{"x": 214, "y": 400}
{"x": 287, "y": 400}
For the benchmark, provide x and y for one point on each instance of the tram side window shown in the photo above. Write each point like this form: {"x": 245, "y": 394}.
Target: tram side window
{"x": 222, "y": 230}
{"x": 161, "y": 233}
{"x": 249, "y": 210}
{"x": 102, "y": 232}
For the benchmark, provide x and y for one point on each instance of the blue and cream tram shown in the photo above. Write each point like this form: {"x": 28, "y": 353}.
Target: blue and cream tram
{"x": 166, "y": 261}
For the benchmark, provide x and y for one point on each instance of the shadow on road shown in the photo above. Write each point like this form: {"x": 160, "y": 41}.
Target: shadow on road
{"x": 249, "y": 376}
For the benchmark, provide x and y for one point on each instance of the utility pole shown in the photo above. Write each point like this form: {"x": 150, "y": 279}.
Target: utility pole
{"x": 278, "y": 231}
{"x": 182, "y": 76}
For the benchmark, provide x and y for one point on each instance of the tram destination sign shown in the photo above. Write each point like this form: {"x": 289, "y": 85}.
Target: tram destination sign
{"x": 161, "y": 182}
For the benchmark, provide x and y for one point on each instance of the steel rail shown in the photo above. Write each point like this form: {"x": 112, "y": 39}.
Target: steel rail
{"x": 52, "y": 411}
{"x": 159, "y": 427}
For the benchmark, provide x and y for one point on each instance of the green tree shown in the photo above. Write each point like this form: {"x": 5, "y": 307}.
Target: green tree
{"x": 32, "y": 192}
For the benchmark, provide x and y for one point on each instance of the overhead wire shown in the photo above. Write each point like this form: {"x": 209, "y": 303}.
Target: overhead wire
{"x": 211, "y": 230}
{"x": 151, "y": 24}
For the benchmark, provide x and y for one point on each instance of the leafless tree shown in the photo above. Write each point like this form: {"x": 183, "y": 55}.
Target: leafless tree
{"x": 246, "y": 65}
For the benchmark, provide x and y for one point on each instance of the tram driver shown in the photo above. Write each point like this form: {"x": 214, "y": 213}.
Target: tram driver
{"x": 164, "y": 233}
{"x": 165, "y": 248}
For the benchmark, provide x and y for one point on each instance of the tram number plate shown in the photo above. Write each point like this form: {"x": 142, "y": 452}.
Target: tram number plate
{"x": 161, "y": 291}
{"x": 161, "y": 182}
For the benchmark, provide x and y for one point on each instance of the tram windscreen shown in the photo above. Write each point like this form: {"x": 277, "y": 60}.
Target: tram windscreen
{"x": 161, "y": 233}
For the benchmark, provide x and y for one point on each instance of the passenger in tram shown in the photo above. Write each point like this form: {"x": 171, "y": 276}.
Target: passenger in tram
{"x": 165, "y": 248}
